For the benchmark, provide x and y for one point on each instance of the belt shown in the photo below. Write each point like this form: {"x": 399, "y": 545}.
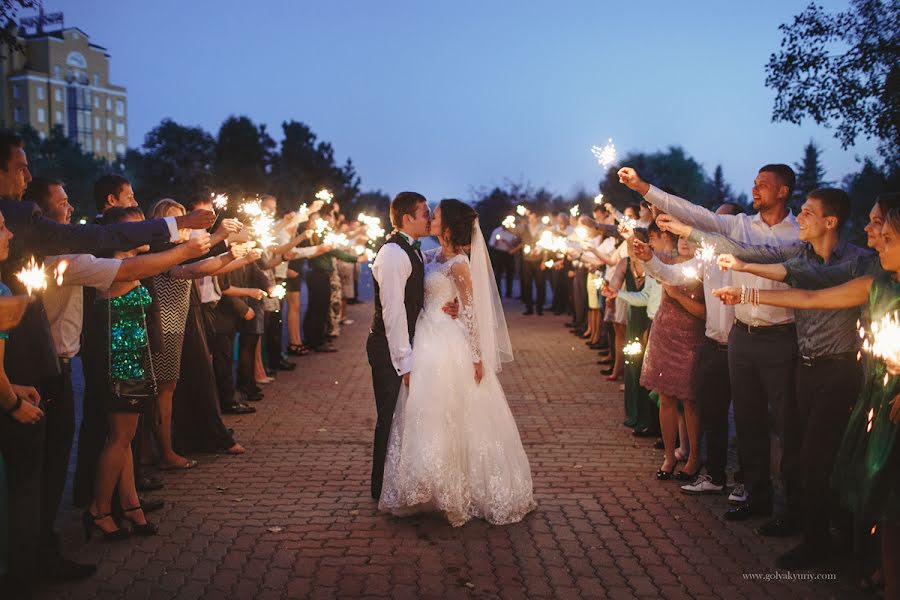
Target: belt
{"x": 783, "y": 328}
{"x": 811, "y": 361}
{"x": 64, "y": 360}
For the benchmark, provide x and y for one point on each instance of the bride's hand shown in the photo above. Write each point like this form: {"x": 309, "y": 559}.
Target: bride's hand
{"x": 406, "y": 379}
{"x": 479, "y": 371}
{"x": 452, "y": 308}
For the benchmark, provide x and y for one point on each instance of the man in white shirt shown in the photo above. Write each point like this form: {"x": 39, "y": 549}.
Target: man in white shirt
{"x": 762, "y": 345}
{"x": 502, "y": 244}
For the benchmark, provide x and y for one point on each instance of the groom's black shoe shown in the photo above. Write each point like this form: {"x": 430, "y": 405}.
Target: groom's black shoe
{"x": 528, "y": 311}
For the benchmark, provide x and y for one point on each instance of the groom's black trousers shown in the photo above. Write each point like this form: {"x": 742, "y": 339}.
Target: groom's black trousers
{"x": 387, "y": 384}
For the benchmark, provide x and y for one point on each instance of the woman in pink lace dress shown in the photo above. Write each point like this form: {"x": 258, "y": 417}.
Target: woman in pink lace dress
{"x": 670, "y": 365}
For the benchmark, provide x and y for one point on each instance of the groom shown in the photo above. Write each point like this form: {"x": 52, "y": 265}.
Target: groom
{"x": 398, "y": 274}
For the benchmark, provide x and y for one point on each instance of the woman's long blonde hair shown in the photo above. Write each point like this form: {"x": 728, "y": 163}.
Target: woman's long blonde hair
{"x": 163, "y": 206}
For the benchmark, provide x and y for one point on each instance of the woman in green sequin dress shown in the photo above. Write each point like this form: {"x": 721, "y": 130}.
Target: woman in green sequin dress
{"x": 867, "y": 469}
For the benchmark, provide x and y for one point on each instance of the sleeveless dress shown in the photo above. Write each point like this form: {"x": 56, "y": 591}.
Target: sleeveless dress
{"x": 867, "y": 470}
{"x": 173, "y": 296}
{"x": 454, "y": 446}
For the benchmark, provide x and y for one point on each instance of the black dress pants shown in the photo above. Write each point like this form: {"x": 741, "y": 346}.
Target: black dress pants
{"x": 579, "y": 298}
{"x": 272, "y": 337}
{"x": 826, "y": 392}
{"x": 532, "y": 273}
{"x": 762, "y": 366}
{"x": 246, "y": 367}
{"x": 59, "y": 414}
{"x": 386, "y": 383}
{"x": 318, "y": 283}
{"x": 223, "y": 366}
{"x": 714, "y": 397}
{"x": 504, "y": 266}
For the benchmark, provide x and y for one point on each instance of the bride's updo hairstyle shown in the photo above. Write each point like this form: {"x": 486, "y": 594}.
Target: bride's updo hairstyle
{"x": 457, "y": 218}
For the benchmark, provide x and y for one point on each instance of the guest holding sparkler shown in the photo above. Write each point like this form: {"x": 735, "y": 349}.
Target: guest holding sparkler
{"x": 762, "y": 348}
{"x": 867, "y": 470}
{"x": 502, "y": 244}
{"x": 533, "y": 269}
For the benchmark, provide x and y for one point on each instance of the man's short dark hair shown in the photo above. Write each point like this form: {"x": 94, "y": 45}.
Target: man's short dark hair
{"x": 835, "y": 203}
{"x": 733, "y": 208}
{"x": 117, "y": 214}
{"x": 38, "y": 191}
{"x": 9, "y": 139}
{"x": 784, "y": 173}
{"x": 106, "y": 185}
{"x": 193, "y": 201}
{"x": 654, "y": 229}
{"x": 405, "y": 203}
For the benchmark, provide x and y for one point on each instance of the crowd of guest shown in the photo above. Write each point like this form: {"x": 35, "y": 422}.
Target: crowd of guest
{"x": 154, "y": 305}
{"x": 705, "y": 313}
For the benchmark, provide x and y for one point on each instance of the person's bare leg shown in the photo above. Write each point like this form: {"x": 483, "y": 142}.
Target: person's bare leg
{"x": 668, "y": 423}
{"x": 122, "y": 427}
{"x": 619, "y": 366}
{"x": 259, "y": 370}
{"x": 168, "y": 456}
{"x": 293, "y": 317}
{"x": 692, "y": 424}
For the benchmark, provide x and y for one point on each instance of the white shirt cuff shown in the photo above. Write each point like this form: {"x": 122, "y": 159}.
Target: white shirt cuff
{"x": 405, "y": 365}
{"x": 174, "y": 237}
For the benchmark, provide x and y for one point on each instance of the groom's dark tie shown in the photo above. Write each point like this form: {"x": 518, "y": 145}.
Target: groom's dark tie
{"x": 417, "y": 246}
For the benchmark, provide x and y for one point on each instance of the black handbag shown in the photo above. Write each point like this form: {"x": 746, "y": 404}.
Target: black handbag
{"x": 131, "y": 391}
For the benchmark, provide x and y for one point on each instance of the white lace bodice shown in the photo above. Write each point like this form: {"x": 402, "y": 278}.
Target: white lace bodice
{"x": 445, "y": 281}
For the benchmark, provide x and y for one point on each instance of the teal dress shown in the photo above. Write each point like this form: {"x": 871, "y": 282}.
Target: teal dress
{"x": 4, "y": 498}
{"x": 126, "y": 348}
{"x": 637, "y": 397}
{"x": 867, "y": 470}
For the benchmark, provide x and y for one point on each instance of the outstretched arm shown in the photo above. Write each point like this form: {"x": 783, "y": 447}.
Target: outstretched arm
{"x": 775, "y": 272}
{"x": 462, "y": 277}
{"x": 853, "y": 293}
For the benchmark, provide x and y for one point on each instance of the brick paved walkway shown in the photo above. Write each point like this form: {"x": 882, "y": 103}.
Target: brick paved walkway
{"x": 292, "y": 518}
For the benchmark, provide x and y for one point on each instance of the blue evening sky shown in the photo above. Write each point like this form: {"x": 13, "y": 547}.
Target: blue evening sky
{"x": 440, "y": 97}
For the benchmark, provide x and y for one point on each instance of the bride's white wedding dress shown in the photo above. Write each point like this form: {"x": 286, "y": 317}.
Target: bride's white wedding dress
{"x": 454, "y": 445}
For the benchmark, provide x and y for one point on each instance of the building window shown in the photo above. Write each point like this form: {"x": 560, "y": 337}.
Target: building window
{"x": 120, "y": 129}
{"x": 96, "y": 122}
{"x": 109, "y": 104}
{"x": 120, "y": 108}
{"x": 78, "y": 108}
{"x": 120, "y": 149}
{"x": 57, "y": 117}
{"x": 96, "y": 101}
{"x": 109, "y": 124}
{"x": 57, "y": 71}
{"x": 96, "y": 79}
{"x": 17, "y": 91}
{"x": 97, "y": 145}
{"x": 109, "y": 146}
{"x": 18, "y": 114}
{"x": 41, "y": 115}
{"x": 57, "y": 95}
{"x": 40, "y": 92}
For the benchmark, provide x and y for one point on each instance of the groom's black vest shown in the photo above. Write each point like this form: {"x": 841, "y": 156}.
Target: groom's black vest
{"x": 413, "y": 294}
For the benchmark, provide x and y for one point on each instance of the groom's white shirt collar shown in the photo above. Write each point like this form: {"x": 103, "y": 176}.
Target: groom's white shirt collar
{"x": 408, "y": 237}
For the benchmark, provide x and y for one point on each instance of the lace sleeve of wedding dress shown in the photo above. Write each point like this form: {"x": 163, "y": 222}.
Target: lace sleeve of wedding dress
{"x": 462, "y": 278}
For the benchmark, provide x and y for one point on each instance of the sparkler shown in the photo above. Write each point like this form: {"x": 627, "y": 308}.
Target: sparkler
{"x": 521, "y": 210}
{"x": 632, "y": 348}
{"x": 690, "y": 271}
{"x": 336, "y": 239}
{"x": 545, "y": 220}
{"x": 219, "y": 201}
{"x": 322, "y": 227}
{"x": 548, "y": 264}
{"x": 61, "y": 267}
{"x": 605, "y": 155}
{"x": 509, "y": 222}
{"x": 600, "y": 283}
{"x": 279, "y": 292}
{"x": 883, "y": 340}
{"x": 581, "y": 232}
{"x": 33, "y": 277}
{"x": 261, "y": 224}
{"x": 374, "y": 230}
{"x": 706, "y": 253}
{"x": 324, "y": 195}
{"x": 574, "y": 211}
{"x": 527, "y": 249}
{"x": 598, "y": 199}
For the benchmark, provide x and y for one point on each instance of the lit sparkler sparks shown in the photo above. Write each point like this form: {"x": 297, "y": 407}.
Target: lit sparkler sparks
{"x": 632, "y": 348}
{"x": 605, "y": 155}
{"x": 33, "y": 277}
{"x": 527, "y": 249}
{"x": 336, "y": 239}
{"x": 599, "y": 283}
{"x": 219, "y": 201}
{"x": 706, "y": 253}
{"x": 690, "y": 271}
{"x": 574, "y": 211}
{"x": 581, "y": 232}
{"x": 60, "y": 269}
{"x": 521, "y": 210}
{"x": 322, "y": 227}
{"x": 548, "y": 264}
{"x": 545, "y": 220}
{"x": 324, "y": 195}
{"x": 598, "y": 199}
{"x": 871, "y": 416}
{"x": 374, "y": 230}
{"x": 261, "y": 224}
{"x": 279, "y": 292}
{"x": 509, "y": 222}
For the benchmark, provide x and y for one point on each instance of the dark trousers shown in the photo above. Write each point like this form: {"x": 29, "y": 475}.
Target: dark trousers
{"x": 533, "y": 273}
{"x": 22, "y": 447}
{"x": 579, "y": 298}
{"x": 223, "y": 366}
{"x": 272, "y": 337}
{"x": 561, "y": 289}
{"x": 386, "y": 383}
{"x": 315, "y": 323}
{"x": 762, "y": 366}
{"x": 826, "y": 392}
{"x": 504, "y": 266}
{"x": 246, "y": 367}
{"x": 59, "y": 414}
{"x": 92, "y": 434}
{"x": 714, "y": 396}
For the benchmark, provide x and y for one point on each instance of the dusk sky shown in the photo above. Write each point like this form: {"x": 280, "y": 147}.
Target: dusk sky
{"x": 441, "y": 97}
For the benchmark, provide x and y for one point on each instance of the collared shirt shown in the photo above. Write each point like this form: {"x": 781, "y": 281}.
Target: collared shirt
{"x": 391, "y": 269}
{"x": 816, "y": 276}
{"x": 719, "y": 316}
{"x": 65, "y": 304}
{"x": 502, "y": 239}
{"x": 650, "y": 296}
{"x": 743, "y": 228}
{"x": 820, "y": 332}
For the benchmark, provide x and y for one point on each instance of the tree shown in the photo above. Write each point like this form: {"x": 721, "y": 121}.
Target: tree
{"x": 243, "y": 156}
{"x": 673, "y": 169}
{"x": 863, "y": 187}
{"x": 176, "y": 162}
{"x": 9, "y": 11}
{"x": 720, "y": 189}
{"x": 810, "y": 174}
{"x": 842, "y": 70}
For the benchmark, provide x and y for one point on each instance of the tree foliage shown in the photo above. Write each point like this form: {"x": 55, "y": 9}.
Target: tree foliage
{"x": 810, "y": 174}
{"x": 9, "y": 12}
{"x": 243, "y": 157}
{"x": 673, "y": 169}
{"x": 842, "y": 70}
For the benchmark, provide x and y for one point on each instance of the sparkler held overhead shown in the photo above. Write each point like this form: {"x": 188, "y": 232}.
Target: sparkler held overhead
{"x": 605, "y": 155}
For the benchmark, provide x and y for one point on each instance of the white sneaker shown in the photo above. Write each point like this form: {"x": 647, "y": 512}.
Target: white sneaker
{"x": 738, "y": 494}
{"x": 702, "y": 485}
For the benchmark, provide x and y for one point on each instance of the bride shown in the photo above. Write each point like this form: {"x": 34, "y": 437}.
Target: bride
{"x": 454, "y": 446}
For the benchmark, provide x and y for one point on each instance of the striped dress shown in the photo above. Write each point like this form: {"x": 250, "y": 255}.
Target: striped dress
{"x": 173, "y": 296}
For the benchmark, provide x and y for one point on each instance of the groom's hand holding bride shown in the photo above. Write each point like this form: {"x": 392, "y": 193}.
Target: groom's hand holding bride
{"x": 452, "y": 309}
{"x": 479, "y": 371}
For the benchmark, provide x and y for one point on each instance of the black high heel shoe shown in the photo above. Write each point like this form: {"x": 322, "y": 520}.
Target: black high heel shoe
{"x": 683, "y": 475}
{"x": 147, "y": 528}
{"x": 297, "y": 350}
{"x": 90, "y": 522}
{"x": 665, "y": 475}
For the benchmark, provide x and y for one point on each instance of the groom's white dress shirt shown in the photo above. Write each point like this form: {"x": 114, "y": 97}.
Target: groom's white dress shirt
{"x": 743, "y": 228}
{"x": 391, "y": 269}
